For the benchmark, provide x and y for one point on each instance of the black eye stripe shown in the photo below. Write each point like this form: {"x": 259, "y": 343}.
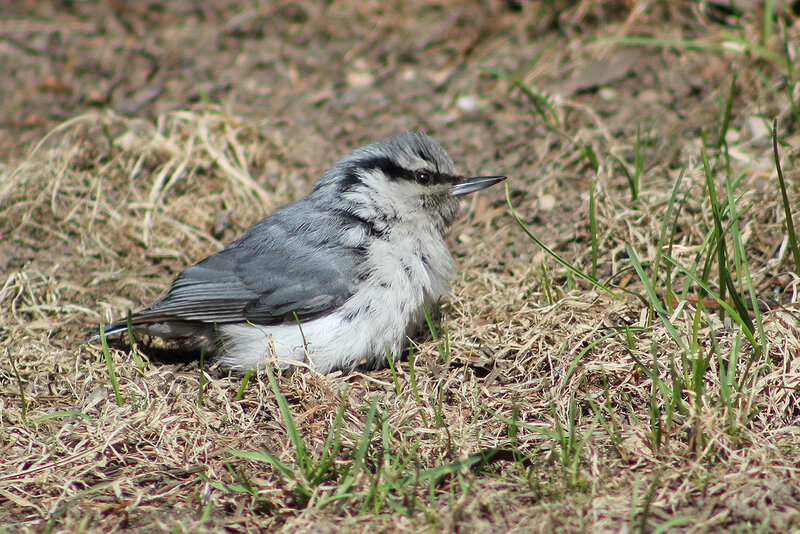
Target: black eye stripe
{"x": 396, "y": 172}
{"x": 386, "y": 165}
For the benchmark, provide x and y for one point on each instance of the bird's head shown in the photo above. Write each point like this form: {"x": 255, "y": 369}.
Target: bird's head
{"x": 406, "y": 178}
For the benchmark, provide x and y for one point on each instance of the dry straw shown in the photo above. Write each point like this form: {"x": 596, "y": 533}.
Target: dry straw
{"x": 538, "y": 402}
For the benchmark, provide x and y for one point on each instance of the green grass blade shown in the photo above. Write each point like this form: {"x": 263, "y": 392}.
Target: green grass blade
{"x": 638, "y": 164}
{"x": 726, "y": 114}
{"x": 593, "y": 226}
{"x": 741, "y": 261}
{"x": 137, "y": 359}
{"x": 787, "y": 207}
{"x": 483, "y": 457}
{"x": 564, "y": 263}
{"x": 110, "y": 365}
{"x": 243, "y": 384}
{"x": 412, "y": 376}
{"x": 667, "y": 235}
{"x": 201, "y": 390}
{"x": 442, "y": 342}
{"x": 301, "y": 453}
{"x": 359, "y": 455}
{"x": 59, "y": 414}
{"x": 723, "y": 304}
{"x": 22, "y": 397}
{"x": 333, "y": 445}
{"x": 589, "y": 347}
{"x": 268, "y": 458}
{"x": 756, "y": 50}
{"x": 541, "y": 103}
{"x": 655, "y": 302}
{"x": 393, "y": 370}
{"x": 731, "y": 43}
{"x": 726, "y": 281}
{"x": 527, "y": 426}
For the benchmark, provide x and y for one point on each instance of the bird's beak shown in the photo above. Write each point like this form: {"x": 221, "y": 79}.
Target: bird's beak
{"x": 475, "y": 183}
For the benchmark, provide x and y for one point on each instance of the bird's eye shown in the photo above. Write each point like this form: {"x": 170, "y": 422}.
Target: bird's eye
{"x": 422, "y": 177}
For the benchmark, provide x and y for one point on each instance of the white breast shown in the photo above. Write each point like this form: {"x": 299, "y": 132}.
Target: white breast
{"x": 407, "y": 272}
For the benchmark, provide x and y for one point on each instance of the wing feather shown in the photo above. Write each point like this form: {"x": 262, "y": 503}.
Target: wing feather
{"x": 266, "y": 277}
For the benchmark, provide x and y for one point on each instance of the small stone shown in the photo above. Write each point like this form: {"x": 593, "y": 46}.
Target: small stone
{"x": 466, "y": 103}
{"x": 547, "y": 202}
{"x": 608, "y": 94}
{"x": 758, "y": 127}
{"x": 360, "y": 79}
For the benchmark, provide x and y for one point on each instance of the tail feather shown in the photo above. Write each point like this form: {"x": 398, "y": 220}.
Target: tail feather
{"x": 139, "y": 321}
{"x": 167, "y": 328}
{"x": 111, "y": 330}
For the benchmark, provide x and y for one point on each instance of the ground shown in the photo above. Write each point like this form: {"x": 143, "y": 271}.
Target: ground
{"x": 619, "y": 351}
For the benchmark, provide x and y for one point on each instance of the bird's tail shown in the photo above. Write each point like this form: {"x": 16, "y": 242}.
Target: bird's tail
{"x": 112, "y": 330}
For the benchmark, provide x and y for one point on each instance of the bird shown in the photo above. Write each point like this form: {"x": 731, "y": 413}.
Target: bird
{"x": 336, "y": 280}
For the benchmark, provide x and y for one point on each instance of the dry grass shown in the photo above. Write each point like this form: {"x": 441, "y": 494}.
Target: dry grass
{"x": 547, "y": 404}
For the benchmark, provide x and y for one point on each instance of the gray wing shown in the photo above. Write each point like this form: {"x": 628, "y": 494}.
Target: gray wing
{"x": 242, "y": 284}
{"x": 266, "y": 277}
